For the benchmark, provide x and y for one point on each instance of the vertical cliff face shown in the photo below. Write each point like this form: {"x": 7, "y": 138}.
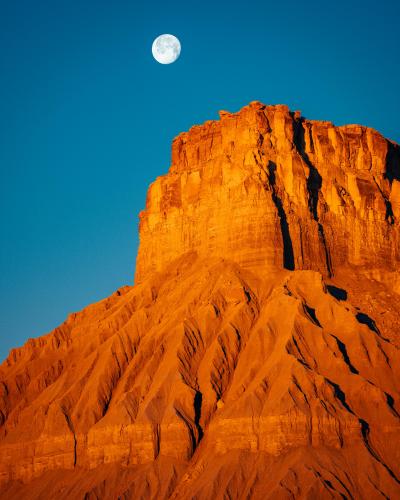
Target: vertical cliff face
{"x": 269, "y": 188}
{"x": 258, "y": 354}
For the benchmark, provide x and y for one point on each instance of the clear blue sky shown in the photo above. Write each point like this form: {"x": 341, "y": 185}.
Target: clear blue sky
{"x": 87, "y": 118}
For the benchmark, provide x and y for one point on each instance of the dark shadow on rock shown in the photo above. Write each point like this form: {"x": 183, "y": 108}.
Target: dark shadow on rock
{"x": 337, "y": 292}
{"x": 390, "y": 402}
{"x": 389, "y": 216}
{"x": 340, "y": 395}
{"x": 365, "y": 431}
{"x": 364, "y": 319}
{"x": 392, "y": 171}
{"x": 198, "y": 400}
{"x": 288, "y": 256}
{"x": 314, "y": 184}
{"x": 310, "y": 311}
{"x": 343, "y": 350}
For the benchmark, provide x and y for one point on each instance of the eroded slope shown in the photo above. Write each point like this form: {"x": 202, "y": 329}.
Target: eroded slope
{"x": 257, "y": 356}
{"x": 211, "y": 379}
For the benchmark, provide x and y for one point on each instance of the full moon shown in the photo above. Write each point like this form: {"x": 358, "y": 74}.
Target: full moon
{"x": 166, "y": 49}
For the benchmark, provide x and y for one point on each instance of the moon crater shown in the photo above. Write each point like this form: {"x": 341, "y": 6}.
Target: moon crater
{"x": 166, "y": 49}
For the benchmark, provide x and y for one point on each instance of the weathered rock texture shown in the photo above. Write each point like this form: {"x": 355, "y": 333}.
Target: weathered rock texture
{"x": 258, "y": 354}
{"x": 266, "y": 187}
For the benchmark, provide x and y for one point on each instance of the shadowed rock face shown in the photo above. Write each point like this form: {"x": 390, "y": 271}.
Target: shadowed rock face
{"x": 258, "y": 355}
{"x": 266, "y": 187}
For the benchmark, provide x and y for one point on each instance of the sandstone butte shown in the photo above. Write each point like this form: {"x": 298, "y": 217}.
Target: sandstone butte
{"x": 256, "y": 356}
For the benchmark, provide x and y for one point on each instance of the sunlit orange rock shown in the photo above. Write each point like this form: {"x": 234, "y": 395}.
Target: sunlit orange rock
{"x": 257, "y": 355}
{"x": 266, "y": 187}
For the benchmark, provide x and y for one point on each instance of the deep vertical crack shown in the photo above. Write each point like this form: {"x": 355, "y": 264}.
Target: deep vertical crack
{"x": 198, "y": 399}
{"x": 288, "y": 255}
{"x": 314, "y": 184}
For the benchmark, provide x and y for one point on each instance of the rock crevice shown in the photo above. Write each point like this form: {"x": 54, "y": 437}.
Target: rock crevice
{"x": 257, "y": 355}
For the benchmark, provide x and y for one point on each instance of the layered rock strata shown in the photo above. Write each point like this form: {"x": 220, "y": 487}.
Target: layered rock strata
{"x": 268, "y": 188}
{"x": 258, "y": 354}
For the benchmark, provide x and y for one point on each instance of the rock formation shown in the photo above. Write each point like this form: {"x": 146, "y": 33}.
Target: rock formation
{"x": 270, "y": 189}
{"x": 257, "y": 355}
